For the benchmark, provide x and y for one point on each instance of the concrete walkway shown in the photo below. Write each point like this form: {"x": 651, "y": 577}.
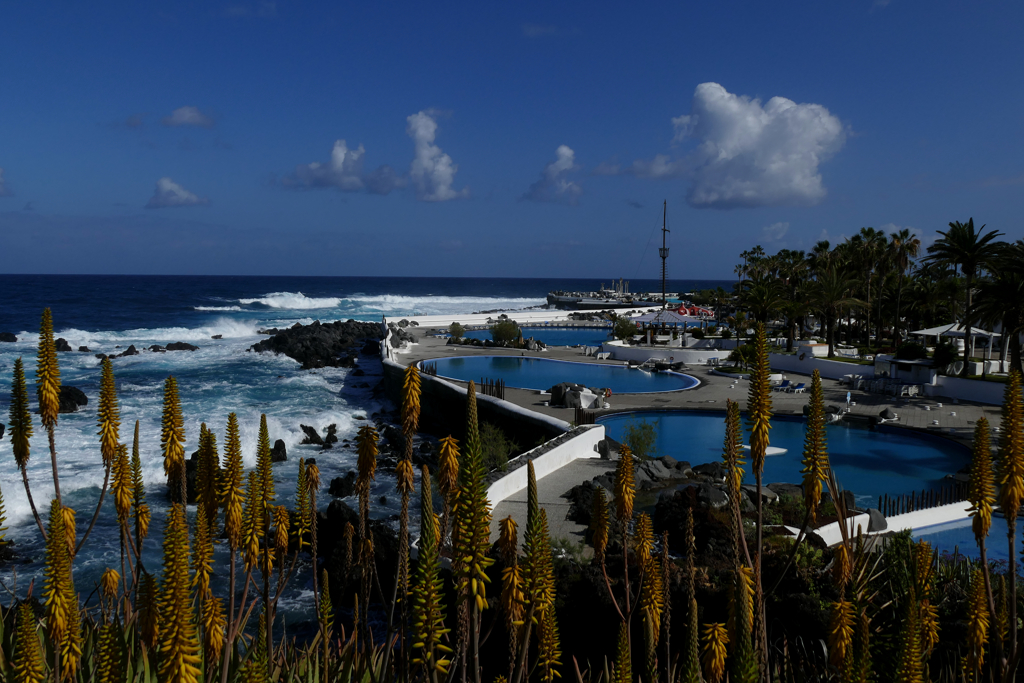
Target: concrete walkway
{"x": 550, "y": 490}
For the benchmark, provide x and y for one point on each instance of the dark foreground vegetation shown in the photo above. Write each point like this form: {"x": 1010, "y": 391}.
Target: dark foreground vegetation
{"x": 708, "y": 593}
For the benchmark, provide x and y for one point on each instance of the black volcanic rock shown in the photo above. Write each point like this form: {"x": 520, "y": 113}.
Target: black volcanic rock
{"x": 278, "y": 453}
{"x": 312, "y": 436}
{"x": 181, "y": 346}
{"x": 344, "y": 486}
{"x": 62, "y": 344}
{"x": 321, "y": 345}
{"x": 2, "y": 430}
{"x": 71, "y": 398}
{"x": 8, "y": 337}
{"x": 83, "y": 349}
{"x": 130, "y": 351}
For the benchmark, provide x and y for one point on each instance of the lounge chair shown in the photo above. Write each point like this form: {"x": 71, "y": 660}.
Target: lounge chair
{"x": 783, "y": 386}
{"x": 797, "y": 389}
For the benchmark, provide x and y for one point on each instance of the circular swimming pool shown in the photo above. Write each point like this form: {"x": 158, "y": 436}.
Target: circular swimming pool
{"x": 543, "y": 373}
{"x": 870, "y": 462}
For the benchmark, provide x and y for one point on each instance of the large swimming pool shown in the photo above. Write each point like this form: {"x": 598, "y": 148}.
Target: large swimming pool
{"x": 867, "y": 461}
{"x": 543, "y": 373}
{"x": 556, "y": 336}
{"x": 959, "y": 536}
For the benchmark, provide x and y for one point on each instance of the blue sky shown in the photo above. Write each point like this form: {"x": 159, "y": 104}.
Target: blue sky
{"x": 509, "y": 139}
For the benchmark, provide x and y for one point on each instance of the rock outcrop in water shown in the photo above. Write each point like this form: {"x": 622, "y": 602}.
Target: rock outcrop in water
{"x": 62, "y": 345}
{"x": 8, "y": 337}
{"x": 71, "y": 398}
{"x": 321, "y": 345}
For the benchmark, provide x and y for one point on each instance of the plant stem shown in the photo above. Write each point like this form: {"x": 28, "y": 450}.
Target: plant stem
{"x": 32, "y": 503}
{"x": 96, "y": 514}
{"x": 53, "y": 463}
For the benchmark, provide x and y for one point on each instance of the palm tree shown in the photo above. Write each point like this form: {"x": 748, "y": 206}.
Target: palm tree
{"x": 866, "y": 247}
{"x": 1001, "y": 299}
{"x": 972, "y": 251}
{"x": 831, "y": 296}
{"x": 903, "y": 247}
{"x": 793, "y": 269}
{"x": 762, "y": 296}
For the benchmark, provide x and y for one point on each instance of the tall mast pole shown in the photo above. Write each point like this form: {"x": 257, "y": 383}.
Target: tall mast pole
{"x": 663, "y": 252}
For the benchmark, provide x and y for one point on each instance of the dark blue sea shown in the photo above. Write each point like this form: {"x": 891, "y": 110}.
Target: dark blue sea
{"x": 106, "y": 314}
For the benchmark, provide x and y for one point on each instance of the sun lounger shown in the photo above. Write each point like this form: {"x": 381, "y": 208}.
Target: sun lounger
{"x": 782, "y": 387}
{"x": 797, "y": 388}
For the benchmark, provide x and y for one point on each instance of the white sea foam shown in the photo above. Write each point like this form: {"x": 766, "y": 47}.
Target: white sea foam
{"x": 227, "y": 328}
{"x": 426, "y": 305}
{"x": 217, "y": 308}
{"x": 293, "y": 301}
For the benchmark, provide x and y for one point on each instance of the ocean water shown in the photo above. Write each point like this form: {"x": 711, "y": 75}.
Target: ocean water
{"x": 108, "y": 313}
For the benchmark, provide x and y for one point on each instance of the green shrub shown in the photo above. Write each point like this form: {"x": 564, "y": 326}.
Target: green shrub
{"x": 504, "y": 331}
{"x": 726, "y": 333}
{"x": 697, "y": 333}
{"x": 641, "y": 438}
{"x": 911, "y": 351}
{"x": 496, "y": 447}
{"x": 624, "y": 328}
{"x": 712, "y": 330}
{"x": 945, "y": 353}
{"x": 456, "y": 330}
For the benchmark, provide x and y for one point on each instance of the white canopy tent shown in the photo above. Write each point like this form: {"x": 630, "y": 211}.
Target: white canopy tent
{"x": 957, "y": 330}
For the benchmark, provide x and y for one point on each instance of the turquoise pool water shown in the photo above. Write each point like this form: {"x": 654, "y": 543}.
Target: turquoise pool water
{"x": 556, "y": 336}
{"x": 543, "y": 373}
{"x": 868, "y": 461}
{"x": 958, "y": 535}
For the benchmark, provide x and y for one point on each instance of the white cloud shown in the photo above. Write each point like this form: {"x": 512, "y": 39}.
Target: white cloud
{"x": 751, "y": 155}
{"x": 775, "y": 231}
{"x": 188, "y": 116}
{"x": 432, "y": 171}
{"x": 4, "y": 191}
{"x": 345, "y": 172}
{"x": 169, "y": 193}
{"x": 553, "y": 186}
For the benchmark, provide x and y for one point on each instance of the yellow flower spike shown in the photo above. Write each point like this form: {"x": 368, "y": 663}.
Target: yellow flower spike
{"x": 840, "y": 640}
{"x": 147, "y": 602}
{"x": 716, "y": 638}
{"x": 139, "y": 490}
{"x": 448, "y": 467}
{"x": 625, "y": 486}
{"x": 815, "y": 460}
{"x": 1011, "y": 449}
{"x": 404, "y": 481}
{"x": 202, "y": 553}
{"x": 282, "y": 525}
{"x": 172, "y": 441}
{"x": 57, "y": 573}
{"x": 759, "y": 401}
{"x": 252, "y": 521}
{"x": 108, "y": 415}
{"x": 232, "y": 495}
{"x": 20, "y": 417}
{"x": 842, "y": 567}
{"x": 70, "y": 531}
{"x": 982, "y": 488}
{"x": 47, "y": 373}
{"x": 977, "y": 625}
{"x": 264, "y": 467}
{"x": 208, "y": 475}
{"x": 213, "y": 627}
{"x": 623, "y": 668}
{"x": 121, "y": 484}
{"x": 410, "y": 402}
{"x": 109, "y": 583}
{"x": 27, "y": 664}
{"x": 179, "y": 659}
{"x": 111, "y": 655}
{"x": 599, "y": 524}
{"x": 643, "y": 539}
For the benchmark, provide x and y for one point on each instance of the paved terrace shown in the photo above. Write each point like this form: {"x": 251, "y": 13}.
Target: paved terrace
{"x": 711, "y": 394}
